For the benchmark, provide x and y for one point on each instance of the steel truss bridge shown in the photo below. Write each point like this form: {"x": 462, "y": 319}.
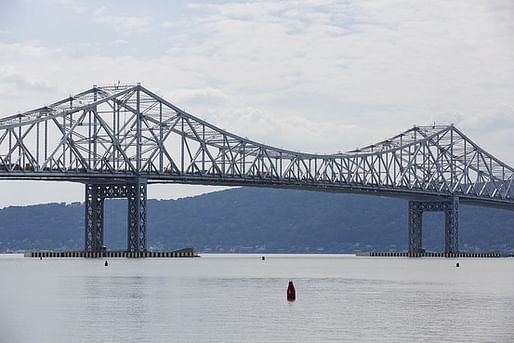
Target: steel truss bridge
{"x": 118, "y": 139}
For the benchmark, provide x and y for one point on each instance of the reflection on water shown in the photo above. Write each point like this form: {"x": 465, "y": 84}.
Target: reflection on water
{"x": 235, "y": 298}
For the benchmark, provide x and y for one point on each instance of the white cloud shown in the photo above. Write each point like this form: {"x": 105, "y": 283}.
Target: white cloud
{"x": 413, "y": 63}
{"x": 14, "y": 83}
{"x": 123, "y": 22}
{"x": 119, "y": 42}
{"x": 120, "y": 22}
{"x": 393, "y": 63}
{"x": 74, "y": 5}
{"x": 168, "y": 24}
{"x": 204, "y": 95}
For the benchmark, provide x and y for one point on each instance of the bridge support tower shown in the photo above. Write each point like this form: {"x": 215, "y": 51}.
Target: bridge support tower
{"x": 451, "y": 211}
{"x": 135, "y": 193}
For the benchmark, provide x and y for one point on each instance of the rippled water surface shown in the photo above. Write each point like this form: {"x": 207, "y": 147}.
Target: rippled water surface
{"x": 240, "y": 298}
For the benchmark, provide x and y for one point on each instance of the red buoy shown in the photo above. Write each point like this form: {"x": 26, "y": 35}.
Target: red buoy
{"x": 106, "y": 264}
{"x": 291, "y": 292}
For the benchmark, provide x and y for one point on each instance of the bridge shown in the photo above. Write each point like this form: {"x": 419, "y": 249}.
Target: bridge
{"x": 118, "y": 139}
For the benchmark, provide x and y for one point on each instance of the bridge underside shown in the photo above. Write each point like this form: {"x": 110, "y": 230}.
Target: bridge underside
{"x": 451, "y": 211}
{"x": 135, "y": 193}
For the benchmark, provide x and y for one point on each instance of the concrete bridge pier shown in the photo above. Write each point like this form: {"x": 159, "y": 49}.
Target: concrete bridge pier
{"x": 451, "y": 211}
{"x": 135, "y": 193}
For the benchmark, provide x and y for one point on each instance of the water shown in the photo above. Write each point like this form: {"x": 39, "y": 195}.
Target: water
{"x": 240, "y": 298}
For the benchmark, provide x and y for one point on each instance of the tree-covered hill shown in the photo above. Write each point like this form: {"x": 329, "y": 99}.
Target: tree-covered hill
{"x": 258, "y": 220}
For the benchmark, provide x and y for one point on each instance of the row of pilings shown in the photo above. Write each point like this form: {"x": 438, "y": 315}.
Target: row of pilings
{"x": 188, "y": 252}
{"x": 428, "y": 254}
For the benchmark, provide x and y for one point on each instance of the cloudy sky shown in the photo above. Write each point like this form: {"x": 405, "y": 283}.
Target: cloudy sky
{"x": 315, "y": 76}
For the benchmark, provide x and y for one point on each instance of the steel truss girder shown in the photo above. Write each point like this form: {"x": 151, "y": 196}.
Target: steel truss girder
{"x": 128, "y": 131}
{"x": 451, "y": 210}
{"x": 135, "y": 193}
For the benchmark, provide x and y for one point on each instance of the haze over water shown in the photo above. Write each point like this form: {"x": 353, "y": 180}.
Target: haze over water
{"x": 240, "y": 298}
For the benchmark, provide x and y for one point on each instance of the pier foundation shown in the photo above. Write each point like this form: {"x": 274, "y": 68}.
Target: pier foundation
{"x": 136, "y": 195}
{"x": 451, "y": 211}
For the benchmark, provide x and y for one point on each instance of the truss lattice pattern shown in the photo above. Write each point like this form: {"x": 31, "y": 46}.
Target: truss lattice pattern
{"x": 126, "y": 132}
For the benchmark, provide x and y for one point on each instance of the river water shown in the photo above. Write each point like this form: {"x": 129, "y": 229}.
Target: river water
{"x": 241, "y": 298}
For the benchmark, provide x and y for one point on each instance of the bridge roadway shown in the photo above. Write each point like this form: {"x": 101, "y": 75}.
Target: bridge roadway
{"x": 118, "y": 139}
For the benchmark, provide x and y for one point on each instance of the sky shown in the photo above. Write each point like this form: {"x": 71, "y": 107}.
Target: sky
{"x": 315, "y": 76}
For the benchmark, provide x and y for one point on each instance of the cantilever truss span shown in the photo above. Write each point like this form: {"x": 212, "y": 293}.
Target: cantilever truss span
{"x": 128, "y": 135}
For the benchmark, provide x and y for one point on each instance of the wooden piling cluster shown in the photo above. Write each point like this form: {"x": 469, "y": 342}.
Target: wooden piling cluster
{"x": 187, "y": 252}
{"x": 428, "y": 254}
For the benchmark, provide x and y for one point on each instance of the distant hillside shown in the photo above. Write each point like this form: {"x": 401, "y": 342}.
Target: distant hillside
{"x": 258, "y": 220}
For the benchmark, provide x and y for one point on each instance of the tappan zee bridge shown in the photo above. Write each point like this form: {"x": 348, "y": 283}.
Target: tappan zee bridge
{"x": 118, "y": 139}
